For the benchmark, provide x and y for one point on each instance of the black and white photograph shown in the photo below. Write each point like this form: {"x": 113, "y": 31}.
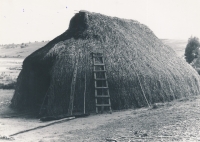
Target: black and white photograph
{"x": 99, "y": 70}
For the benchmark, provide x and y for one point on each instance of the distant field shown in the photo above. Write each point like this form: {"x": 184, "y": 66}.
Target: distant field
{"x": 19, "y": 50}
{"x": 12, "y": 56}
{"x": 9, "y": 69}
{"x": 177, "y": 45}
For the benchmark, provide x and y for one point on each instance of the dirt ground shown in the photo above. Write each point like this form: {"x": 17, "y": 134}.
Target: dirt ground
{"x": 174, "y": 121}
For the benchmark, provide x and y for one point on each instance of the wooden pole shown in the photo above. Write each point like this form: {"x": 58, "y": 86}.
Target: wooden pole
{"x": 141, "y": 87}
{"x": 84, "y": 92}
{"x": 73, "y": 85}
{"x": 86, "y": 63}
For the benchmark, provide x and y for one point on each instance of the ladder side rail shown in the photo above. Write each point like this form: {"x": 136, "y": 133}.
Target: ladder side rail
{"x": 108, "y": 93}
{"x": 71, "y": 102}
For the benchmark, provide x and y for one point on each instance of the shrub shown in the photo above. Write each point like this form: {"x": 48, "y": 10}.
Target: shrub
{"x": 8, "y": 86}
{"x": 191, "y": 49}
{"x": 198, "y": 70}
{"x": 23, "y": 45}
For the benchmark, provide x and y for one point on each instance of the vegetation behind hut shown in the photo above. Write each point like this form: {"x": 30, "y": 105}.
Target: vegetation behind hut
{"x": 192, "y": 49}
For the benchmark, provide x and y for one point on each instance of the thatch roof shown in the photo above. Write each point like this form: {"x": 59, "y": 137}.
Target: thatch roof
{"x": 131, "y": 51}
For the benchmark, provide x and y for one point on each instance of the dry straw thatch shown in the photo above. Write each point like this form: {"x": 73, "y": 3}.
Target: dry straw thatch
{"x": 135, "y": 59}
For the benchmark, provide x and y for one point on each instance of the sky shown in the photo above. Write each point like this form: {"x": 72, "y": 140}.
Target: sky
{"x": 36, "y": 20}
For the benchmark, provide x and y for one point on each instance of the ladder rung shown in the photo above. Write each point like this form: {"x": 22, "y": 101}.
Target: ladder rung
{"x": 102, "y": 96}
{"x": 100, "y": 71}
{"x": 99, "y": 64}
{"x": 101, "y": 87}
{"x": 102, "y": 105}
{"x": 96, "y": 56}
{"x": 100, "y": 79}
{"x": 98, "y": 52}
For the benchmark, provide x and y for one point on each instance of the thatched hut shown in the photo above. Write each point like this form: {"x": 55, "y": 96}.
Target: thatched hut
{"x": 135, "y": 60}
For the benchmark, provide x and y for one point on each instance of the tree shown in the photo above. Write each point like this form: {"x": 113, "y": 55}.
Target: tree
{"x": 191, "y": 51}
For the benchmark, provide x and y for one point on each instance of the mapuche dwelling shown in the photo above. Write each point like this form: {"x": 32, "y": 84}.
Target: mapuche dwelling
{"x": 140, "y": 69}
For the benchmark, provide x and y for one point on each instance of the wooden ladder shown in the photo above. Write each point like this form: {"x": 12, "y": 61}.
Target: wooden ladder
{"x": 102, "y": 96}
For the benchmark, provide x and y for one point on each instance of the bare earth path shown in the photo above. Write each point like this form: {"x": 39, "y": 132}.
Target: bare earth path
{"x": 175, "y": 121}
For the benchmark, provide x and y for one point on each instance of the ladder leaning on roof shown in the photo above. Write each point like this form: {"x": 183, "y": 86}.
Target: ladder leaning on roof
{"x": 102, "y": 96}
